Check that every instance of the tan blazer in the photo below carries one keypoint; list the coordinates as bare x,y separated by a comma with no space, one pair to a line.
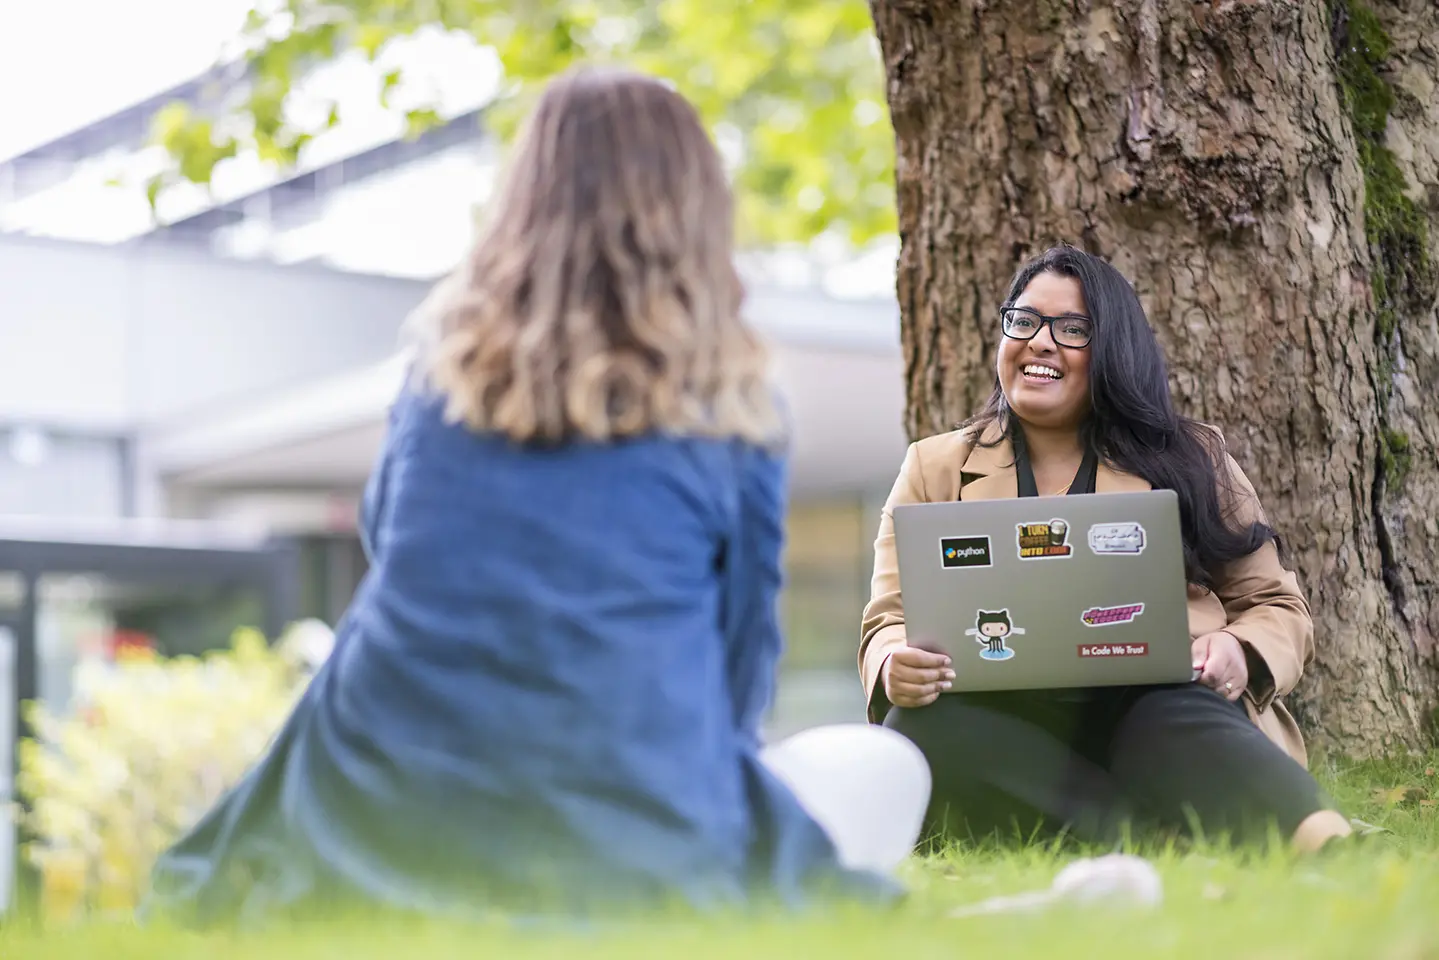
1255,598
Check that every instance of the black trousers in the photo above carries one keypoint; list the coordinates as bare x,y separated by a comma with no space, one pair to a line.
1094,763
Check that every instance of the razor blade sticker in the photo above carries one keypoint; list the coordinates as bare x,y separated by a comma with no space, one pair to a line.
1117,539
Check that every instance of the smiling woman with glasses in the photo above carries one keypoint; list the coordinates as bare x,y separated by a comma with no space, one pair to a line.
1081,405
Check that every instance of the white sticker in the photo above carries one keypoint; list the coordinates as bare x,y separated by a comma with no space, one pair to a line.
1117,539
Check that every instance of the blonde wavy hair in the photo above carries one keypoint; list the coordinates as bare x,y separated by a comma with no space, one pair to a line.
601,299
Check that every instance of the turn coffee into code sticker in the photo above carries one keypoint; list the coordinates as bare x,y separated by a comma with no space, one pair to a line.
1038,541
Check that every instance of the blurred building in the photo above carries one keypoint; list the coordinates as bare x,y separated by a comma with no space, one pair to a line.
232,369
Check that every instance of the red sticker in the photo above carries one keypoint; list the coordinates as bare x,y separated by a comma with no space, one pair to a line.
1114,649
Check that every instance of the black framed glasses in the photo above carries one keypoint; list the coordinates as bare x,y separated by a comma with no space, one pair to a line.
1068,330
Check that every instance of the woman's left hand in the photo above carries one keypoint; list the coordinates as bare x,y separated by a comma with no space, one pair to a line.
1221,660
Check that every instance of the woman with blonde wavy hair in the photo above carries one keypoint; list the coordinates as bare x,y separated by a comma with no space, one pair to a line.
546,696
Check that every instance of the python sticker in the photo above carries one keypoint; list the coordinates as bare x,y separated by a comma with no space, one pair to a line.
965,552
1039,541
1109,616
1117,539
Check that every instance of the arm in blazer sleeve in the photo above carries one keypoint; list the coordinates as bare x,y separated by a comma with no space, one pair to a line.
1266,610
882,629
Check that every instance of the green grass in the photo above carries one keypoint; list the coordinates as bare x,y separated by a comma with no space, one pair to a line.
1375,901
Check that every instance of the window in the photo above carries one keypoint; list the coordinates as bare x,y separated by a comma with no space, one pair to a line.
827,569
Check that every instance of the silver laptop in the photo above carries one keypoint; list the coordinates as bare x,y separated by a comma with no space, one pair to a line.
1048,592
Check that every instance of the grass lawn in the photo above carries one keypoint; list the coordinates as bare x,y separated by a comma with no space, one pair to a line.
1374,902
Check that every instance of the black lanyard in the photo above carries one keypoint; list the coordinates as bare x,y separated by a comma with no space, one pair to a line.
1084,480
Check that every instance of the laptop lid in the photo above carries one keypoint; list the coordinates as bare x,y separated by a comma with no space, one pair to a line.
1048,592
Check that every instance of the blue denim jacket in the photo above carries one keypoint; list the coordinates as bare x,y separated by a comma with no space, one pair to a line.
546,696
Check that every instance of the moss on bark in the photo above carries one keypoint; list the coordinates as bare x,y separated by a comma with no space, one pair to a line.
1396,228
1395,457
1403,275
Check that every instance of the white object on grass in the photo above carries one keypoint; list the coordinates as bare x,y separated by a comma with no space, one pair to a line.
1117,880
866,786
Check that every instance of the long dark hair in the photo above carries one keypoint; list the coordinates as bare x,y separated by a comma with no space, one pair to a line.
1132,424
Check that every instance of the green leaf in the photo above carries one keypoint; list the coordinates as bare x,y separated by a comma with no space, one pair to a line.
168,125
800,80
153,186
370,37
1393,796
418,121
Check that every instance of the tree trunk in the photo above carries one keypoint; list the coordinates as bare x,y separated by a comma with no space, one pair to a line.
1230,158
1408,511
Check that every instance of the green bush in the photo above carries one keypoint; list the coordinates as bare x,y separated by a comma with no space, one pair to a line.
147,746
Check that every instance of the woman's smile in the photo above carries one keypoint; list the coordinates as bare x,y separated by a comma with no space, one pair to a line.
1042,373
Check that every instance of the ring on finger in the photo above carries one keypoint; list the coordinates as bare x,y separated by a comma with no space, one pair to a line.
1229,687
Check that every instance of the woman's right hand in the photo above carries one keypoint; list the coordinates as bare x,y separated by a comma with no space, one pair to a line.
916,678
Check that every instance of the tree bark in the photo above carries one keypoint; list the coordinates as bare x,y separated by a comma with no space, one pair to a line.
1208,148
1409,513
